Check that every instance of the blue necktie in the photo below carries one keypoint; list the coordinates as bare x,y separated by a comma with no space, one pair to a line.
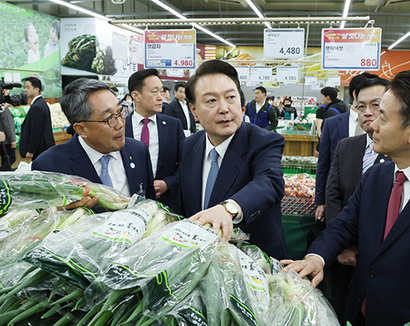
213,173
104,176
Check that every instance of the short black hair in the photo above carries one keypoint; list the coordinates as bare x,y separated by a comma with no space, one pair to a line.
330,91
35,82
400,87
369,81
211,67
136,80
354,83
243,99
178,85
270,98
262,89
55,24
165,89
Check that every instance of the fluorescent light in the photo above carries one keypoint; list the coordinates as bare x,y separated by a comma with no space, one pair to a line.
345,12
85,11
256,10
399,41
176,13
131,29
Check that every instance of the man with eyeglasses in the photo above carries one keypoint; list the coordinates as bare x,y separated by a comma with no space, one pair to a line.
162,134
99,150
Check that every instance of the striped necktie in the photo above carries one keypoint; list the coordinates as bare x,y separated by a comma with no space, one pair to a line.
369,157
358,130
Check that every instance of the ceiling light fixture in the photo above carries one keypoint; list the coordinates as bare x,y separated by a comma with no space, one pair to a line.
80,9
401,39
176,13
256,10
345,13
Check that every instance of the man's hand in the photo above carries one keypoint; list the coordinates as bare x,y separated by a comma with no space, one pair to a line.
320,213
160,187
6,92
348,257
13,144
310,265
218,217
2,136
29,157
84,202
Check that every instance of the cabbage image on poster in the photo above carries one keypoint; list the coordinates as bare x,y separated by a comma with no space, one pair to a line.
31,46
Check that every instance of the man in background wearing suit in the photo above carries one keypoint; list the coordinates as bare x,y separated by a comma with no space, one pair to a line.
99,150
231,170
162,134
179,108
334,129
36,130
377,218
354,156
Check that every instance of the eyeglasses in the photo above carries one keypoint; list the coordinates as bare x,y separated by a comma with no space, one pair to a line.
112,120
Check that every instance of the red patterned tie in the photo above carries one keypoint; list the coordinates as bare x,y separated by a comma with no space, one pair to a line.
145,132
394,202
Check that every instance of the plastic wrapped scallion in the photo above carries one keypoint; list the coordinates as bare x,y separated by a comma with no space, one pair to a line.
38,189
80,253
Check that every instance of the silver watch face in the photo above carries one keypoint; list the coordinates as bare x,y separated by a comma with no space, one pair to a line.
231,208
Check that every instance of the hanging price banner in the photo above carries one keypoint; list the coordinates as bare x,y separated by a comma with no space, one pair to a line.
243,73
261,74
283,43
170,49
351,48
287,75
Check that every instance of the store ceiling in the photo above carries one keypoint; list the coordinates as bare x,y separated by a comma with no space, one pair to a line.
391,15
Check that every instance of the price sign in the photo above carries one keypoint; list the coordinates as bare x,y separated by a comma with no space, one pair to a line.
333,81
287,75
261,74
243,73
170,49
283,43
351,48
311,80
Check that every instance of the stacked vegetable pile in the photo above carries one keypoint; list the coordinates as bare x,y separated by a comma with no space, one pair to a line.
299,195
140,266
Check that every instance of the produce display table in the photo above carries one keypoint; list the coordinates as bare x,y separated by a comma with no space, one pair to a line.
299,145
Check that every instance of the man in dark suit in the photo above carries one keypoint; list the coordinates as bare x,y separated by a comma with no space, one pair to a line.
36,130
377,219
230,172
334,129
99,122
353,158
165,133
179,108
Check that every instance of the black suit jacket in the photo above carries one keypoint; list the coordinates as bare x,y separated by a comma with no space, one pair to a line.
36,130
170,135
174,109
345,173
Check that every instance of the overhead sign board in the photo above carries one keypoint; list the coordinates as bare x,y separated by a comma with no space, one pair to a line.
170,48
351,48
283,43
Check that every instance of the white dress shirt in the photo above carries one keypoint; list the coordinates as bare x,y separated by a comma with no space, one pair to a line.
406,186
221,150
353,121
34,99
185,108
258,107
137,125
116,168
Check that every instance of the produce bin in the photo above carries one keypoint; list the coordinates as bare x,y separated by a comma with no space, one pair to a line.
299,164
296,228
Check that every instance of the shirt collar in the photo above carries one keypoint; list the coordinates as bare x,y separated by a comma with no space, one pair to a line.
353,115
406,172
368,140
94,155
139,117
221,148
34,99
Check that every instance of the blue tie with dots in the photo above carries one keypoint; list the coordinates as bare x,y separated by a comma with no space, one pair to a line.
104,176
213,173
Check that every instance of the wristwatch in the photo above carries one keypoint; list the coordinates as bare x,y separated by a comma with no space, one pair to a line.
230,208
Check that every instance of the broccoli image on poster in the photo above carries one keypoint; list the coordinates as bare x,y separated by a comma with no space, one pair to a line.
84,53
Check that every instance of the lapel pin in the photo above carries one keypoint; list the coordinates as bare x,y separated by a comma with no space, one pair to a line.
164,122
130,158
382,160
132,165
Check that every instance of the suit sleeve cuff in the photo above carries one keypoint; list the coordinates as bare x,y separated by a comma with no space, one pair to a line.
316,255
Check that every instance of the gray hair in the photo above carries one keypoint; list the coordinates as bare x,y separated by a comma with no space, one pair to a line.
74,101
